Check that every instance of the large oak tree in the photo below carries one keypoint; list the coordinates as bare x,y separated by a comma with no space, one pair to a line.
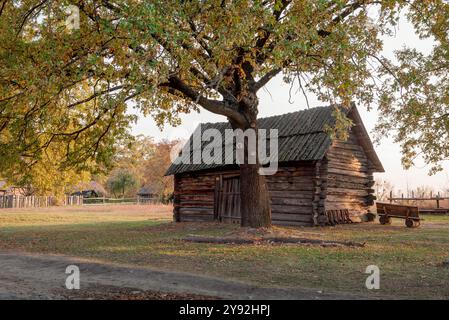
71,88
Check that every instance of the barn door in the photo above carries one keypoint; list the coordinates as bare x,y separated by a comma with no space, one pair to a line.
228,200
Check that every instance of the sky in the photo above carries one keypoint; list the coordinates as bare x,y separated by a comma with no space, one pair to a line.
274,100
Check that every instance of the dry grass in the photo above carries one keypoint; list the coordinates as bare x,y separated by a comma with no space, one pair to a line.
410,260
82,215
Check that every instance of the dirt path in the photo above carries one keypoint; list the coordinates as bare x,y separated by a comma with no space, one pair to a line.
37,276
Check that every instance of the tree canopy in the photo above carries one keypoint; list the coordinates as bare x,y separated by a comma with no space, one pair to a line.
147,161
121,182
71,88
155,167
414,97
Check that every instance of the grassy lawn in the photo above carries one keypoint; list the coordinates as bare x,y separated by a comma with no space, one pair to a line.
410,260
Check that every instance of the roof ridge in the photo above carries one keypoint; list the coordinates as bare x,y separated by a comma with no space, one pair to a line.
274,116
294,112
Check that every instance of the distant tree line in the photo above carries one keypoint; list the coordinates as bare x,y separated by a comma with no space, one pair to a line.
383,188
141,163
137,162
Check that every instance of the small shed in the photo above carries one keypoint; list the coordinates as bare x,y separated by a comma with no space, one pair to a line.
91,189
8,190
86,194
3,188
317,178
146,193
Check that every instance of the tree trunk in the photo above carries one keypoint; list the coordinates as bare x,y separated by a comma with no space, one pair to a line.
254,197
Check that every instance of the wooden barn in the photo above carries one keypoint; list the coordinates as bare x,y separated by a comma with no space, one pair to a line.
318,182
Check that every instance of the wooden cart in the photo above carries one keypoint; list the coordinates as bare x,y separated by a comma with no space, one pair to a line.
386,211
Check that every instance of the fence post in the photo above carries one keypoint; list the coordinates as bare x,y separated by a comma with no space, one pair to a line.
438,200
391,196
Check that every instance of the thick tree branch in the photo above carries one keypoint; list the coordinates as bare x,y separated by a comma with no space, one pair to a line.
214,106
266,78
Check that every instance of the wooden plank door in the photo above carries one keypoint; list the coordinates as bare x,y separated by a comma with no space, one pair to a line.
228,200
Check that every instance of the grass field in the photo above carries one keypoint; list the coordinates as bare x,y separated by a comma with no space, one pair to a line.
410,260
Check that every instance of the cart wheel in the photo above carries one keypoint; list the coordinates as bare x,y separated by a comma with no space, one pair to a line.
384,220
410,223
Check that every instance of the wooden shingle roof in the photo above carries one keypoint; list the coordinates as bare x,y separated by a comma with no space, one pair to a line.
302,137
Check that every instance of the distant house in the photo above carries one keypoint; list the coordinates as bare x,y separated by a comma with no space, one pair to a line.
3,188
319,180
146,193
91,189
86,194
8,190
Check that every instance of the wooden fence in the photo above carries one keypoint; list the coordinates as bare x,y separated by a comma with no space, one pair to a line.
437,198
111,201
19,201
73,201
430,204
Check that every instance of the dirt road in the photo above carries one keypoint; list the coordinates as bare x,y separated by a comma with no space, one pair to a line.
37,276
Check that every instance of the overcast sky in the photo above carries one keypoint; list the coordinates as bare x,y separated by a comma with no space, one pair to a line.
274,100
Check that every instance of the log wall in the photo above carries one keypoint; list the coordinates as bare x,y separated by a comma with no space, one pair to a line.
348,177
291,193
194,196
